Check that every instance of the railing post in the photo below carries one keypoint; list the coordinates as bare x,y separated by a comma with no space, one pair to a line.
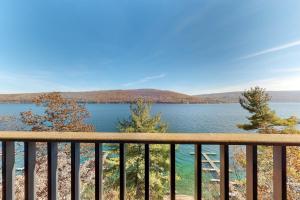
122,172
75,171
147,172
279,173
224,172
198,172
8,170
251,172
30,173
98,171
172,172
52,170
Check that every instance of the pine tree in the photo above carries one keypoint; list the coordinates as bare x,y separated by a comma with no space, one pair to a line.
263,119
140,121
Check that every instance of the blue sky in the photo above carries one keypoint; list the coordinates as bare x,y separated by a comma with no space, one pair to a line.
188,46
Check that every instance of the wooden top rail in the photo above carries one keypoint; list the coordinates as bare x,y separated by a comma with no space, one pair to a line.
153,138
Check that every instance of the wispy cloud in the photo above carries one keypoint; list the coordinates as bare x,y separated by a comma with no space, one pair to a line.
271,84
144,80
271,50
287,70
12,82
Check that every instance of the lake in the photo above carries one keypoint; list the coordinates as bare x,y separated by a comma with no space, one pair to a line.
189,118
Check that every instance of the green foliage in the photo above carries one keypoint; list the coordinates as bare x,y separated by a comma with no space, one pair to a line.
263,119
140,121
88,192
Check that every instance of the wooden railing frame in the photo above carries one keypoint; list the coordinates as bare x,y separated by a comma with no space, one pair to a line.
154,138
279,143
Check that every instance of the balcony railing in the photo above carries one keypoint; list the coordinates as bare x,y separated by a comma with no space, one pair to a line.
279,143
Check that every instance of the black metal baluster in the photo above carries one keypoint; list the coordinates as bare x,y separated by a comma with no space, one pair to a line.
52,171
8,170
198,171
172,172
122,172
251,172
279,173
224,172
75,171
30,167
147,172
98,171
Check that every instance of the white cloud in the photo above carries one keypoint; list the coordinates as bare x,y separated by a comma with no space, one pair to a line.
144,80
271,50
287,70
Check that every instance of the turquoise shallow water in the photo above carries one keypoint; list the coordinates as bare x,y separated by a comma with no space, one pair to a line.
190,118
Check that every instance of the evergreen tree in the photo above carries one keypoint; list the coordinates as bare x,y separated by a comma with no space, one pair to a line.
140,121
263,119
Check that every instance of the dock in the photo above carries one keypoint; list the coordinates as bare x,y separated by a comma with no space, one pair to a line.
212,164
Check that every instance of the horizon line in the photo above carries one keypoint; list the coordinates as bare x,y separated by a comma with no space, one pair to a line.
106,90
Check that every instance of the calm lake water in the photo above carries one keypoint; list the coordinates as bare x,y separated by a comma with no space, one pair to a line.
192,118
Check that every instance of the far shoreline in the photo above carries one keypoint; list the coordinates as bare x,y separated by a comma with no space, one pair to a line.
174,103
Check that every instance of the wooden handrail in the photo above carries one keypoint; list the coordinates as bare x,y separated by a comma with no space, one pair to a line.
251,140
154,138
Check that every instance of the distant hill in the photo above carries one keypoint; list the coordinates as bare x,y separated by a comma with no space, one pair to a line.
112,96
153,95
233,97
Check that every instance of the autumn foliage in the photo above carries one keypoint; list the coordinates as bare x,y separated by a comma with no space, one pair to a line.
61,115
